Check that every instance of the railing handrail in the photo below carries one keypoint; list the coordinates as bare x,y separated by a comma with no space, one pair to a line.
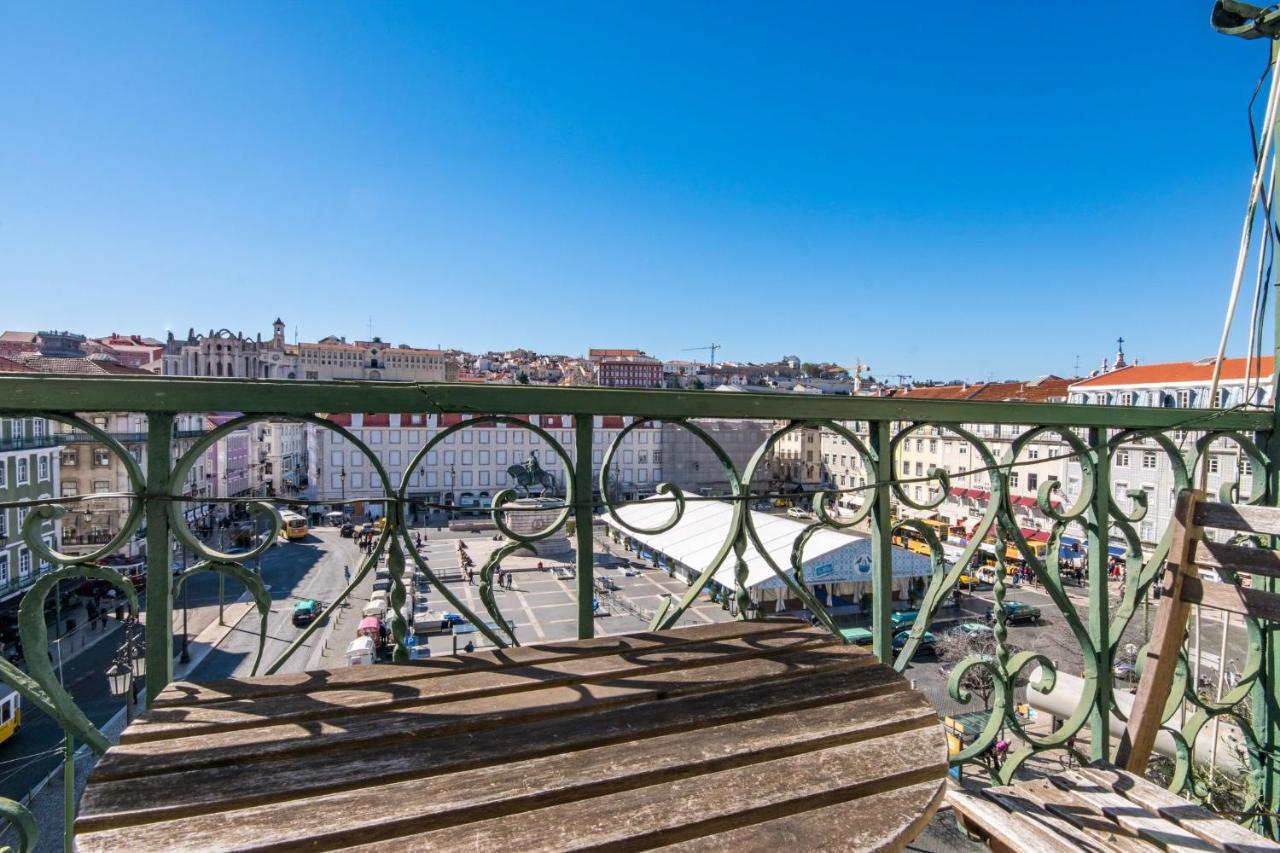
22,394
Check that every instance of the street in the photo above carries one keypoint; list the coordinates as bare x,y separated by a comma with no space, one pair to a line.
305,568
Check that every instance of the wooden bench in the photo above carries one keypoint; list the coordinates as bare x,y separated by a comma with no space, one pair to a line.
1104,807
740,735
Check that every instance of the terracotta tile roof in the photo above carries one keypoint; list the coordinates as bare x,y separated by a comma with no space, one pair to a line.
1178,371
80,366
1043,390
19,337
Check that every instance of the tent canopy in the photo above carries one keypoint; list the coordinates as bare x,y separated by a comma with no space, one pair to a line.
829,557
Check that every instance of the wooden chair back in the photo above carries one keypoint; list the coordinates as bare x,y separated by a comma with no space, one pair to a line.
1189,552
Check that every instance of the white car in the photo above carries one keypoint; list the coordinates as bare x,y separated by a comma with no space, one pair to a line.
796,512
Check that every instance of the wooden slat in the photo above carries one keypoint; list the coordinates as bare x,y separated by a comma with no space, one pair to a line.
367,812
273,710
1070,817
703,805
1161,656
1238,558
186,693
343,731
1234,599
879,822
1135,819
185,791
1249,519
1219,832
1014,828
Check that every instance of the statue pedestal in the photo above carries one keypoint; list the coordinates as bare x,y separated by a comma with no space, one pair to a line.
533,514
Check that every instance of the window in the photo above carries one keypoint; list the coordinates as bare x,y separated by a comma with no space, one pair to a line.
1213,464
1184,399
69,489
24,474
24,563
1149,459
70,458
1122,458
1033,453
4,569
1147,531
1121,489
1033,480
101,457
393,436
1126,398
1013,479
4,523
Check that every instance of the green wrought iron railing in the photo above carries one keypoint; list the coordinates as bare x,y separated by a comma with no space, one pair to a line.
877,430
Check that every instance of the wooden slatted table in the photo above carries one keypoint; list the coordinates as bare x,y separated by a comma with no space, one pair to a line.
1098,808
740,735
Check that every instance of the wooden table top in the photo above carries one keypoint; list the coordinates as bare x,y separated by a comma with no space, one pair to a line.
1098,809
739,735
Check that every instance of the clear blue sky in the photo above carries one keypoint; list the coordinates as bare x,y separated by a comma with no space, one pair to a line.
941,191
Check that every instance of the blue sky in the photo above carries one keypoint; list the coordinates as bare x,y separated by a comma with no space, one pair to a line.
943,193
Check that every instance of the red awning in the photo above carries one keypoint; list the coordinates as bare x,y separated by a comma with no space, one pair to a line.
1023,500
956,492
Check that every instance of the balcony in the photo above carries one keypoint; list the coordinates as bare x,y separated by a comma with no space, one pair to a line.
35,442
1099,614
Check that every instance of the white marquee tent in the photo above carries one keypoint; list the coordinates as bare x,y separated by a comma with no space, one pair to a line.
830,557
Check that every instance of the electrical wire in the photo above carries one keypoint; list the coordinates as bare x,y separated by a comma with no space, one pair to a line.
1263,152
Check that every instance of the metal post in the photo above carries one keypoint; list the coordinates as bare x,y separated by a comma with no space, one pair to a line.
881,543
159,630
583,425
68,793
1098,535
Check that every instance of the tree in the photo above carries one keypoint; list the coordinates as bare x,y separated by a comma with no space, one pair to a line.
698,384
522,378
956,645
808,368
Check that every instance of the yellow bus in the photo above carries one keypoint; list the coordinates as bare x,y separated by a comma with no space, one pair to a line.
10,715
295,526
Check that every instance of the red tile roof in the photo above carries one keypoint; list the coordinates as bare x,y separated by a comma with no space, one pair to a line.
1178,371
1042,390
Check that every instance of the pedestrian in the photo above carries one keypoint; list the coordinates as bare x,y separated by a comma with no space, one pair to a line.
470,578
346,573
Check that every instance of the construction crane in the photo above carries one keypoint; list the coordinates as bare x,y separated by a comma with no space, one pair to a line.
712,347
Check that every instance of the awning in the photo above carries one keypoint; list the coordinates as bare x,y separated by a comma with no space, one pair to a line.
1023,500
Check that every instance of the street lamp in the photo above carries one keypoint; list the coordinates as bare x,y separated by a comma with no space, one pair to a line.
128,667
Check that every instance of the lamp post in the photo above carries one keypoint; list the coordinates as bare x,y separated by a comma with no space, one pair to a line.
128,668
453,489
342,475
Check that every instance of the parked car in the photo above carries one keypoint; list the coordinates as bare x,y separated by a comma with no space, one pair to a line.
902,618
928,642
1015,612
306,611
973,629
1125,671
857,636
347,530
797,512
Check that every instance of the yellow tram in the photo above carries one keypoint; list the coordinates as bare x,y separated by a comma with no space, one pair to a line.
10,714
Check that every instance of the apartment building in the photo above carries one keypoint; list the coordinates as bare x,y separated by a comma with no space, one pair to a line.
333,358
929,448
470,467
626,368
689,463
28,471
1142,466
